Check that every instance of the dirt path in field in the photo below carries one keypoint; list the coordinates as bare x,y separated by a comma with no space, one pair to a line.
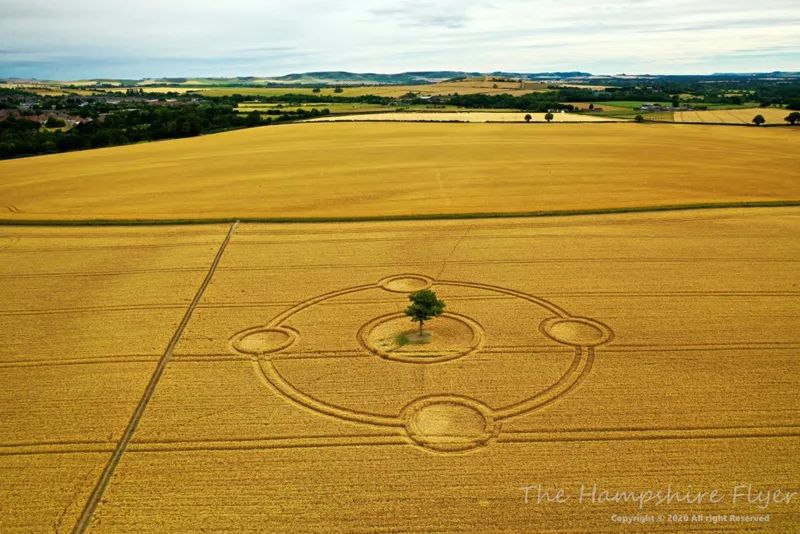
108,472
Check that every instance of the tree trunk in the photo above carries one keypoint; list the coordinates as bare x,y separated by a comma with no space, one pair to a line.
420,329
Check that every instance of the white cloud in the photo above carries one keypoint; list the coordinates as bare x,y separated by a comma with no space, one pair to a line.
141,38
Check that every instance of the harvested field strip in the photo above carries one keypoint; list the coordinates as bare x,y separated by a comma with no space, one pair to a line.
97,493
380,218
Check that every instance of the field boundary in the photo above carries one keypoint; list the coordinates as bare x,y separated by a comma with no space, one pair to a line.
105,477
378,439
693,123
600,120
412,217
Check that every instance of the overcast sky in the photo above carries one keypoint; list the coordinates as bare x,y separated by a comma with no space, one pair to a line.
72,39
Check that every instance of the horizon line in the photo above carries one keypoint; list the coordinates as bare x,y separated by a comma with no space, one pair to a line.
581,73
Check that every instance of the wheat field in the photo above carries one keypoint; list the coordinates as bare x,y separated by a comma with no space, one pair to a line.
390,169
86,315
463,116
628,351
253,376
733,116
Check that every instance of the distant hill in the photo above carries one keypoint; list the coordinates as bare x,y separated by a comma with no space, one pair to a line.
330,78
402,78
414,77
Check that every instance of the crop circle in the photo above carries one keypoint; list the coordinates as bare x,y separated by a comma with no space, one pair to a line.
448,423
405,283
264,340
394,337
576,331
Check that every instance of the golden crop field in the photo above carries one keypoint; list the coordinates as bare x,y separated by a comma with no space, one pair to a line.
631,352
347,170
86,314
464,116
733,116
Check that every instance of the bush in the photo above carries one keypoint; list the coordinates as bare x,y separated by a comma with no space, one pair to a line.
54,122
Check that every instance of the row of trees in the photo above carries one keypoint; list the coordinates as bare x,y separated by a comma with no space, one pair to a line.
547,116
792,118
23,137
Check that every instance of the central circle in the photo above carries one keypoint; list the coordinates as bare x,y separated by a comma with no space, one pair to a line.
395,337
448,423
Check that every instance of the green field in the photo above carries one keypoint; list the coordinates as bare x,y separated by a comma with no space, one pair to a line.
660,116
631,104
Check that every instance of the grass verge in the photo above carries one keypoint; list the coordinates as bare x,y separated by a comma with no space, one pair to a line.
413,217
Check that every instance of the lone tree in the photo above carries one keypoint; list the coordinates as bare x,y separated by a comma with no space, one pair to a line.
638,118
792,117
758,120
548,117
424,305
528,118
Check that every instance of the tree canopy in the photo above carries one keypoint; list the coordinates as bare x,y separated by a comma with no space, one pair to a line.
424,306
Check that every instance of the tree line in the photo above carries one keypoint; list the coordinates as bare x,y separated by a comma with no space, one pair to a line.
24,137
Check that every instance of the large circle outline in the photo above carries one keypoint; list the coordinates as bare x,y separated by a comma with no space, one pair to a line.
578,370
